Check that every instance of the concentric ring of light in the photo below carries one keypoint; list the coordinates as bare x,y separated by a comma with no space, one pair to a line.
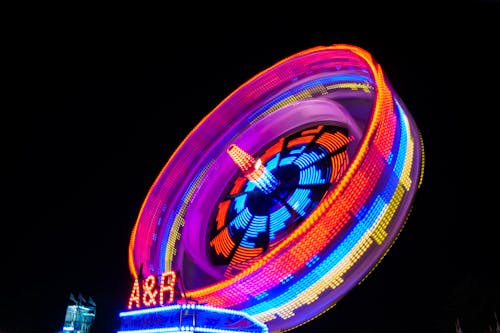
250,221
348,232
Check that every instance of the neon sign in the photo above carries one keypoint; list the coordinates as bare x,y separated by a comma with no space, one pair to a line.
149,293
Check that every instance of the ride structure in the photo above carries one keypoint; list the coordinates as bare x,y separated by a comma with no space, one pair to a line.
284,197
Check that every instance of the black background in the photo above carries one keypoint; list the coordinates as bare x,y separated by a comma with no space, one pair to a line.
97,103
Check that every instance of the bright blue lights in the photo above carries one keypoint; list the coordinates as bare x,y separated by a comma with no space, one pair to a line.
311,175
278,221
273,162
251,236
189,318
239,203
299,200
308,158
241,220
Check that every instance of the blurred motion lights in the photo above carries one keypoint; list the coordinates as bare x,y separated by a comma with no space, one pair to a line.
287,194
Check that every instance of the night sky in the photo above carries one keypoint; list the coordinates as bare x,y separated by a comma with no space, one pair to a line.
99,107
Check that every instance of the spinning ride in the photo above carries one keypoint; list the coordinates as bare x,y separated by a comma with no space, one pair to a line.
288,193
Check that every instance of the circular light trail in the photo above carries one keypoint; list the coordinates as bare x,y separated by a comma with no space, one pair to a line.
289,192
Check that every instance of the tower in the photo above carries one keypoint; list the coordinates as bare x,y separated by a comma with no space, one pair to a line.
80,315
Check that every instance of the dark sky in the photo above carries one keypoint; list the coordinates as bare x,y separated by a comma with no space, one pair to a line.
99,108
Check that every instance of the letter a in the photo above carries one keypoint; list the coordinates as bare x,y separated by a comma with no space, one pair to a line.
135,295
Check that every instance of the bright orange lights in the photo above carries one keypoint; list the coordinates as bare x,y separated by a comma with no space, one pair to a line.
253,169
150,291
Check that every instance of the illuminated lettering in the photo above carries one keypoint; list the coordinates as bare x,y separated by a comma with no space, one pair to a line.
135,295
167,285
145,294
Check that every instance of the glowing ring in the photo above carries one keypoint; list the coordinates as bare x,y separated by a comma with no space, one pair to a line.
252,220
343,237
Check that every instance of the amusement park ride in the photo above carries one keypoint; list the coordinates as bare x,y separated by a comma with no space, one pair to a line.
279,202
